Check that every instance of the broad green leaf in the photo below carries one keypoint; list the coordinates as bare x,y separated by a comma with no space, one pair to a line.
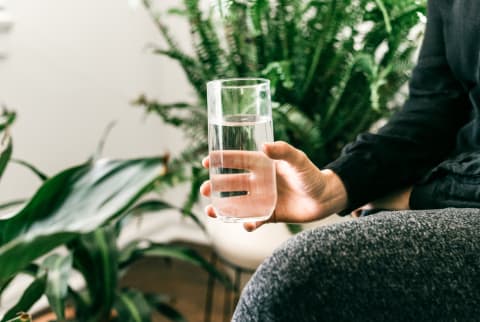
40,174
4,286
131,306
162,306
31,269
148,249
76,201
31,295
58,270
96,258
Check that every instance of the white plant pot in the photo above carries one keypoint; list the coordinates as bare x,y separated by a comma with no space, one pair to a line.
245,249
248,249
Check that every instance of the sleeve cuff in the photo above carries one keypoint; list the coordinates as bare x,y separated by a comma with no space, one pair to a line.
357,179
422,197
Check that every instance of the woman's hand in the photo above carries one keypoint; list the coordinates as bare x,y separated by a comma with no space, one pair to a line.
305,193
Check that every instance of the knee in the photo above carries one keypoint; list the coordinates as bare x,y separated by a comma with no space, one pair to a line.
292,284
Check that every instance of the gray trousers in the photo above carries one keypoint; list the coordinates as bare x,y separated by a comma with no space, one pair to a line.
391,266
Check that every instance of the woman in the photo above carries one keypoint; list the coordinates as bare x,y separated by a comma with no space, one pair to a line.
402,265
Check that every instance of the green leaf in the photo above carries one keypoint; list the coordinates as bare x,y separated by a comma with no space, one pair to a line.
131,306
6,118
96,258
31,270
5,154
103,140
177,12
150,205
128,254
156,205
386,16
146,248
76,201
31,295
162,306
40,174
81,302
58,269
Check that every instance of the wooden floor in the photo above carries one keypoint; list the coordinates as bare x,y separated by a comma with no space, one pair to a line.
186,284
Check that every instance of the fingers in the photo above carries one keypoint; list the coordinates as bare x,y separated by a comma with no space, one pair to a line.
251,226
283,151
210,211
231,182
206,162
236,159
206,188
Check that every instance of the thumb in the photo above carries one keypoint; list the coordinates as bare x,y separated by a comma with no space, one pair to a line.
281,150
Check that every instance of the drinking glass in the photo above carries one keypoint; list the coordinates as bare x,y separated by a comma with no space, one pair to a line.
239,123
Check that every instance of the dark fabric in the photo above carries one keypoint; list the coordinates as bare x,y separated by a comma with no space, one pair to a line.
394,266
440,120
454,183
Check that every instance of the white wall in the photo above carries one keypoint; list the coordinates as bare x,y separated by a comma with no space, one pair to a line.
74,66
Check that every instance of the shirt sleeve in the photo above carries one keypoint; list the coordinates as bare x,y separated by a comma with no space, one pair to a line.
416,138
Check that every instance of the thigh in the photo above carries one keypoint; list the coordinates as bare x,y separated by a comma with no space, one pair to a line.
395,266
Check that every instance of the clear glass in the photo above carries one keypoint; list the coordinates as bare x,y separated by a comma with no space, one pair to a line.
239,123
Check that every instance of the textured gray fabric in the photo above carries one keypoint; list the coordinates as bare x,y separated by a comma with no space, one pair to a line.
393,266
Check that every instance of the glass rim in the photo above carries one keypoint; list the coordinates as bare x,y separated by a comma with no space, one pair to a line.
260,82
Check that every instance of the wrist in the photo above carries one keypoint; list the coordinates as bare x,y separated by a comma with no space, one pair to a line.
334,198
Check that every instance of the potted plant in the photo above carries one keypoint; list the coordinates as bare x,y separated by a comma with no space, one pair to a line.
84,208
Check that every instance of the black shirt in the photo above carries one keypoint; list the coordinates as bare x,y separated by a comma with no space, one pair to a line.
433,143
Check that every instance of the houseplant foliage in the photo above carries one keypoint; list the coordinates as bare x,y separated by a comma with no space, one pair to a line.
7,118
84,208
335,66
